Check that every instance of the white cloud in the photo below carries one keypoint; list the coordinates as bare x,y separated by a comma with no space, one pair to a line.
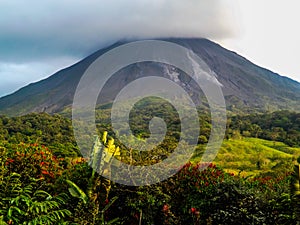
32,29
39,37
16,75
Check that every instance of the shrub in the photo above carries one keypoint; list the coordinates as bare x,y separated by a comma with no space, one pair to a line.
33,161
22,189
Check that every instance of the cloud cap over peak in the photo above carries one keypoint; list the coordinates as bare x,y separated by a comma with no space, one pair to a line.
35,29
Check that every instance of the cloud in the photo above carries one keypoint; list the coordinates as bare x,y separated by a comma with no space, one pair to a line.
40,37
16,75
36,29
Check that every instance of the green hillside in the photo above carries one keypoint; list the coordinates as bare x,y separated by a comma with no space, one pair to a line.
252,156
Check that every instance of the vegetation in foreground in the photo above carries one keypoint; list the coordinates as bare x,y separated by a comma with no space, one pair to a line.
39,188
45,181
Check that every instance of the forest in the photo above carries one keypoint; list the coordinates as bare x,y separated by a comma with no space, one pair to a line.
254,179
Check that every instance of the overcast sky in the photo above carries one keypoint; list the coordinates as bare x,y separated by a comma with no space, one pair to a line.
38,38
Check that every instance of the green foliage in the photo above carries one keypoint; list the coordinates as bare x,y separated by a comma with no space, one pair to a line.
282,126
76,192
205,194
26,175
295,191
26,204
34,178
97,189
53,131
97,217
244,154
33,161
197,194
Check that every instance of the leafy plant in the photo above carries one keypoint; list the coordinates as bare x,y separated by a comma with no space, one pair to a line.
98,187
34,161
24,204
295,192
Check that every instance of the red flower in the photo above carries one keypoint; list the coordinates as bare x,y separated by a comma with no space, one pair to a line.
193,210
106,201
45,172
10,160
165,208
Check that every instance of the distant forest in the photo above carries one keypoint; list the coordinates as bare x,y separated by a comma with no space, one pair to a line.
56,132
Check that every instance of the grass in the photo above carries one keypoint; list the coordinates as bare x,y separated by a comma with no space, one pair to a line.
252,156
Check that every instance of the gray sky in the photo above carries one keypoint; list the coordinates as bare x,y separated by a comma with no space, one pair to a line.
38,38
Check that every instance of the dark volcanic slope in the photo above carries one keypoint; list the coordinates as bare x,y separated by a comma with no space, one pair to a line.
245,85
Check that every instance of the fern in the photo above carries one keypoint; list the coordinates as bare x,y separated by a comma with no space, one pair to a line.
50,218
24,205
2,222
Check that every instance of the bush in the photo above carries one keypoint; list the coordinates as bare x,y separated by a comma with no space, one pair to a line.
33,186
26,174
205,194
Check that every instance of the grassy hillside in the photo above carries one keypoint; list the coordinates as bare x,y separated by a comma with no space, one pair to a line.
252,156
